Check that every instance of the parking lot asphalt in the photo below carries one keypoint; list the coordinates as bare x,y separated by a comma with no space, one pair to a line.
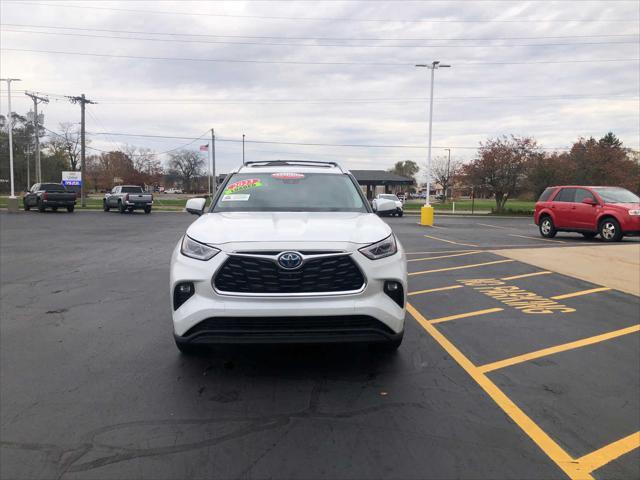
506,371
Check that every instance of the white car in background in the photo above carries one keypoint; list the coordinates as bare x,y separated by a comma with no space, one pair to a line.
289,251
387,197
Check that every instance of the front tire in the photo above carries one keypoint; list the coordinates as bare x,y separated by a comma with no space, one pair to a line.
105,207
400,214
547,228
121,207
71,208
26,207
610,230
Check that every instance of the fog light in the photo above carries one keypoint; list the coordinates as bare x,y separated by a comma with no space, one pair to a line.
182,293
395,292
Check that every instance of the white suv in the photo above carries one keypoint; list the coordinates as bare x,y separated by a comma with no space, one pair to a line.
289,251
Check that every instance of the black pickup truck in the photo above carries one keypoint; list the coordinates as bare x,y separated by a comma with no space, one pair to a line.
49,195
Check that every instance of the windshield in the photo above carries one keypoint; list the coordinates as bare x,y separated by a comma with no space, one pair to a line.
617,195
290,192
389,197
131,189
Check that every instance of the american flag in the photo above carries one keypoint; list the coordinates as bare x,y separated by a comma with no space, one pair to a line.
204,148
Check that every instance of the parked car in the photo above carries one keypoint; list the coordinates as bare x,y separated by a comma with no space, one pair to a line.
289,251
611,212
127,198
174,190
388,196
49,195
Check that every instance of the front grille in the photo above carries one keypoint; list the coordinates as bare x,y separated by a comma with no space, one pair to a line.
251,275
291,326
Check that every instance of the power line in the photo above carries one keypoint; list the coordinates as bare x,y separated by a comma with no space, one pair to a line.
545,37
302,62
308,144
323,45
336,19
193,140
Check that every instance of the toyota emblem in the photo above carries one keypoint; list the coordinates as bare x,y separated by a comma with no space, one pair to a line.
290,260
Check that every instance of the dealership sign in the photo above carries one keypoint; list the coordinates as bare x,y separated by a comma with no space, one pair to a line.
72,179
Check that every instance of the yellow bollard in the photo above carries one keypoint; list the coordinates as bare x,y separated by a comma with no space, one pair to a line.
426,216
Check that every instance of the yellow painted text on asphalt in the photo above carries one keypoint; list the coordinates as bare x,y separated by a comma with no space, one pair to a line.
516,297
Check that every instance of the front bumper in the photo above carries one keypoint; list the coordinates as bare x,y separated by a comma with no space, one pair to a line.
370,315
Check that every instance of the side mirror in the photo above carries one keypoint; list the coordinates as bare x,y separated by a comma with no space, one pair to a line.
385,205
195,206
589,201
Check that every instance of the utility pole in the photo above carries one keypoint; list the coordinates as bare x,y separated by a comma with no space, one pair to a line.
28,168
243,149
36,125
213,163
82,100
426,215
13,202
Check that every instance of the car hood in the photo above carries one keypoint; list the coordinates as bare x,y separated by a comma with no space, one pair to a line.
220,228
624,206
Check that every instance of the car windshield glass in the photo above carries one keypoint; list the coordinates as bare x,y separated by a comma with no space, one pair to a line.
131,189
290,192
53,187
617,195
389,197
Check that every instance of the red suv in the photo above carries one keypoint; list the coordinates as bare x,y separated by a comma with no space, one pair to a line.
611,212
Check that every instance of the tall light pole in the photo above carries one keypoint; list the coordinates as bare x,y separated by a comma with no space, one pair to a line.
448,167
434,65
12,200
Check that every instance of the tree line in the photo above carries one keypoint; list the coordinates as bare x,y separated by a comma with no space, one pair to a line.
125,164
509,166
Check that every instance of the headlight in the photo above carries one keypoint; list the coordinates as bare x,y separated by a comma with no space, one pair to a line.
635,213
383,248
197,250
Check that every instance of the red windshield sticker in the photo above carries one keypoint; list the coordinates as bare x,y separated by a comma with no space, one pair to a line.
243,185
288,176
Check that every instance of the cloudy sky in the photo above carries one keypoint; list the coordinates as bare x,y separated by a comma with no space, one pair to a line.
336,73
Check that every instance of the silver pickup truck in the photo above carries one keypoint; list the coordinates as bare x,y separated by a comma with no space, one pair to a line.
127,198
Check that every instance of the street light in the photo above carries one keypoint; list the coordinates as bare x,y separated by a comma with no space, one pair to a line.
433,66
13,204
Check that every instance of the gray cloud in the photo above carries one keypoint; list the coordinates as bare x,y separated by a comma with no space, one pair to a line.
458,121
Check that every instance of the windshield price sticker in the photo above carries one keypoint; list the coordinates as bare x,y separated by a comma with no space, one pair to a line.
288,176
243,185
238,197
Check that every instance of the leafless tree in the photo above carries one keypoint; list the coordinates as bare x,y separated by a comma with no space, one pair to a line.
444,172
186,164
66,144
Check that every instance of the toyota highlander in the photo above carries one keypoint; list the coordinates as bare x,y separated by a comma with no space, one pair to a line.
288,251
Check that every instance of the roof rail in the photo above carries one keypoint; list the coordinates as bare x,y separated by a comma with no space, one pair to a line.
310,163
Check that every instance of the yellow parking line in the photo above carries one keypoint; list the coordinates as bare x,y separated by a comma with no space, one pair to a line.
507,362
460,267
494,226
608,453
536,238
554,451
472,252
419,292
581,292
451,241
515,277
440,251
466,315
